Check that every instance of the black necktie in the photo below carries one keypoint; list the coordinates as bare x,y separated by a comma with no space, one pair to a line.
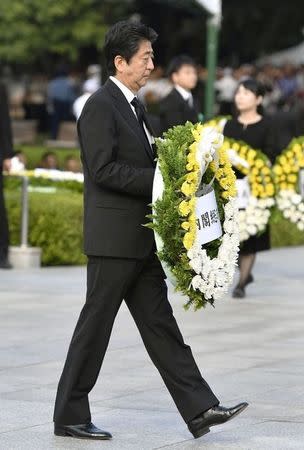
142,119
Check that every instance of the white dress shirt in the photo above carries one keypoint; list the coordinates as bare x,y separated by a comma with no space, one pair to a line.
129,96
187,95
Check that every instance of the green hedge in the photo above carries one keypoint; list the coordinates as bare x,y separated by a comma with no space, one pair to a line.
12,183
55,225
283,232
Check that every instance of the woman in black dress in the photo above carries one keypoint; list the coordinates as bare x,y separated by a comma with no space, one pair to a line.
255,130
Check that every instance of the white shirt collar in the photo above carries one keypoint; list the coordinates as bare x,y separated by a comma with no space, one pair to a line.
129,96
124,89
183,92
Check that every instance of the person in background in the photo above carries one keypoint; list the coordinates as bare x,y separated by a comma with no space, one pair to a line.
34,102
225,87
60,97
6,154
156,88
49,160
255,130
18,162
180,106
72,164
93,81
89,87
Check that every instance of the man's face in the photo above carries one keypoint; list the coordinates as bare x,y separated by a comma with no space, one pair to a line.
51,162
136,72
186,77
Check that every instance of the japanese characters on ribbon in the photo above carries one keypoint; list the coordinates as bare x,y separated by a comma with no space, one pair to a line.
208,221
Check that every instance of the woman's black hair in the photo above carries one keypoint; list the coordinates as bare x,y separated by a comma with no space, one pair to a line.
124,39
254,86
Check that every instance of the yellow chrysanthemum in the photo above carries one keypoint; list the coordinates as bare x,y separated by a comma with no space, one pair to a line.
269,190
266,171
283,160
292,178
191,158
192,177
188,188
289,154
259,163
184,208
251,154
277,170
188,240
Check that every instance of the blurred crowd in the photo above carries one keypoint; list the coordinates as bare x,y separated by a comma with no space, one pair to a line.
49,161
284,86
51,101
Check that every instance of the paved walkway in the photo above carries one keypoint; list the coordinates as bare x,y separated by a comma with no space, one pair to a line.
248,349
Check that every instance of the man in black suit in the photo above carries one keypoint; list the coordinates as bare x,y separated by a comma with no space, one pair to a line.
180,106
6,153
118,164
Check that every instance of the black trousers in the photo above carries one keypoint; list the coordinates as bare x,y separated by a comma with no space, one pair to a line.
4,233
141,284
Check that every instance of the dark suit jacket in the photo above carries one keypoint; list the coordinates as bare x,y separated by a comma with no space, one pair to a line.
118,177
174,110
6,142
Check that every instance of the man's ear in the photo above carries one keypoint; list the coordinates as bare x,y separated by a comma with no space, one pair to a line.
119,63
174,78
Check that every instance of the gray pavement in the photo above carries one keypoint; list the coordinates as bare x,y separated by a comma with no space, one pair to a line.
249,349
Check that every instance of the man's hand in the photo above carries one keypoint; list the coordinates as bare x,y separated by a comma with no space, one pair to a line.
7,164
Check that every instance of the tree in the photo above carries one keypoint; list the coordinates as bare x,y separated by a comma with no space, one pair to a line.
30,29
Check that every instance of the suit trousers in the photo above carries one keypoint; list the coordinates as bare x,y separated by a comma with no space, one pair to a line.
4,232
141,284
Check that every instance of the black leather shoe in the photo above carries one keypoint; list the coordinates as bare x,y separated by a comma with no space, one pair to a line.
214,416
84,431
4,264
238,292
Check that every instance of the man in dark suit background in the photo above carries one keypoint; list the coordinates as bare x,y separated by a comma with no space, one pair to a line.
6,153
119,162
180,106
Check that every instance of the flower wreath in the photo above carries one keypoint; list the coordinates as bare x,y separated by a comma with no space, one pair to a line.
257,169
289,176
190,157
218,122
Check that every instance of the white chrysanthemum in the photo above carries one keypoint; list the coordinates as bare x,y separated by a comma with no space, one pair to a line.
216,274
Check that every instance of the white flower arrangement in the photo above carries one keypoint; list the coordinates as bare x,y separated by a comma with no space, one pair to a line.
214,275
49,174
255,217
255,213
289,178
292,206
